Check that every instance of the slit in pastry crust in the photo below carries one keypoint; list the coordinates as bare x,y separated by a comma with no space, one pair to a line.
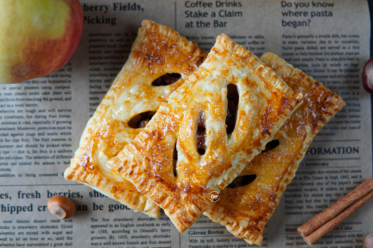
157,51
245,210
265,102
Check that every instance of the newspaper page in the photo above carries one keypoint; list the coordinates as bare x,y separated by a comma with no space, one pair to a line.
42,120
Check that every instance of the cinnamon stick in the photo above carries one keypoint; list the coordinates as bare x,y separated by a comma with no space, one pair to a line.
327,220
329,226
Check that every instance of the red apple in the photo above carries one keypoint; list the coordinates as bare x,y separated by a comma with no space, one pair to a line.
37,37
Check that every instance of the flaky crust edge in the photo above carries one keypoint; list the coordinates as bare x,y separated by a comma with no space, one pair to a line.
285,70
97,181
222,46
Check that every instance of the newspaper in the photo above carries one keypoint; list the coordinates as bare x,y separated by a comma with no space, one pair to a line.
41,121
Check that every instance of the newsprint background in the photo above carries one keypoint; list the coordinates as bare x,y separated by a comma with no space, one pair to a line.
41,121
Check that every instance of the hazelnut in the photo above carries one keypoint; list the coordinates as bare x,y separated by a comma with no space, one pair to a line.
368,241
368,76
61,207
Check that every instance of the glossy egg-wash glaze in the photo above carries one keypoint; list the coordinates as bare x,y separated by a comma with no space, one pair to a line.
246,210
157,50
265,102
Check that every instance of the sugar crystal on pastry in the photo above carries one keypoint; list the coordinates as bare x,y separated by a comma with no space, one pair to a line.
187,187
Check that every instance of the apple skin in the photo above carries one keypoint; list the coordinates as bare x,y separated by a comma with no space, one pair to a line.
37,37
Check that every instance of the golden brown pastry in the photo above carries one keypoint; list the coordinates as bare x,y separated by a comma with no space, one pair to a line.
245,210
135,95
164,162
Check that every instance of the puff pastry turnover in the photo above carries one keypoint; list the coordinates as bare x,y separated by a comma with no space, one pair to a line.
164,162
157,50
245,210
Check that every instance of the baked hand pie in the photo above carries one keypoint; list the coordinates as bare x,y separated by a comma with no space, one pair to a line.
245,210
183,173
159,57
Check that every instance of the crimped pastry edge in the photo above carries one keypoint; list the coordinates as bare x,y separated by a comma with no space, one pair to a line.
131,150
285,70
97,181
